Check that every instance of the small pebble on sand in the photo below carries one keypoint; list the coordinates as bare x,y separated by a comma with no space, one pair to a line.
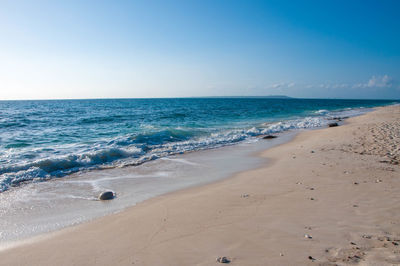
223,260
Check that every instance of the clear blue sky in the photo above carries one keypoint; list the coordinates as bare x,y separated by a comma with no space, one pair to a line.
103,49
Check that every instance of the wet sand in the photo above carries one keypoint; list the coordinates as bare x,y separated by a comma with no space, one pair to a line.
328,197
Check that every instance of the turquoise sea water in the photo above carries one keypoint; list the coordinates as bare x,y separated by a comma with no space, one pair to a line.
41,140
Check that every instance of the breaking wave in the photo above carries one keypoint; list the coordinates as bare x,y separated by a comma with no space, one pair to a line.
37,144
137,149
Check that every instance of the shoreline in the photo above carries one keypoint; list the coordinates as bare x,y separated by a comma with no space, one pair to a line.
250,218
131,184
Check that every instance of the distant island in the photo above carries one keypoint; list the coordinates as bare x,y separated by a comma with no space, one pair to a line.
269,96
276,97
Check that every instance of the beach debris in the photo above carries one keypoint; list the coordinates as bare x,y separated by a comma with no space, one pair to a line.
352,243
244,195
378,181
354,258
388,238
281,254
299,183
355,183
312,199
223,260
106,195
312,151
307,236
367,236
311,258
311,188
269,137
355,205
333,124
395,243
308,227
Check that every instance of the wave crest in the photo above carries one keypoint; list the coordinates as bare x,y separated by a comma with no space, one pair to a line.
143,147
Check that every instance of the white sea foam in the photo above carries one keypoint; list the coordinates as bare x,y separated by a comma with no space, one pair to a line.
322,112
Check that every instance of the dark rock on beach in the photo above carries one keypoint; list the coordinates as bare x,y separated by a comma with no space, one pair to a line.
106,195
332,124
269,137
223,260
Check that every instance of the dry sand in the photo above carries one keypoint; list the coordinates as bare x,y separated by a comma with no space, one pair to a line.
340,186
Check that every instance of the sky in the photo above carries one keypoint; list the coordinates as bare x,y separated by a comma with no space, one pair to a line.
134,49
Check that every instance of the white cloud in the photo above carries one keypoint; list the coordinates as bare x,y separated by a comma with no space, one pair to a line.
384,81
376,82
282,85
380,81
333,85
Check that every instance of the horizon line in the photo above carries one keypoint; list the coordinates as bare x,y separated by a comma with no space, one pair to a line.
193,97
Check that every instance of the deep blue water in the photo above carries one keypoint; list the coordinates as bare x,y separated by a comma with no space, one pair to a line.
40,140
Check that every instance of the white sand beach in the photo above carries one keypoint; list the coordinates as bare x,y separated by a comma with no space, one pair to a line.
329,197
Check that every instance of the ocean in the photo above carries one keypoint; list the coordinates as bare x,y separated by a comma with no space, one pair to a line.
42,140
56,156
